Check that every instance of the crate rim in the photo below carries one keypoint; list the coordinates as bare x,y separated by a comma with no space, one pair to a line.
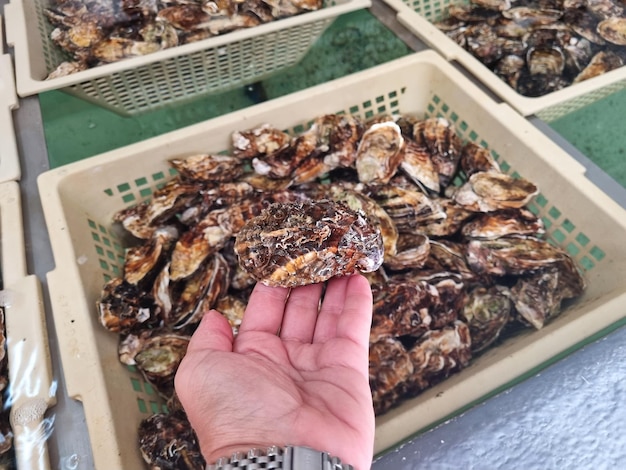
27,85
9,158
527,106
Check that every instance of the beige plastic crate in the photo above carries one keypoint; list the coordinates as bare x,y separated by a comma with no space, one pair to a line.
80,199
32,389
419,15
9,160
170,76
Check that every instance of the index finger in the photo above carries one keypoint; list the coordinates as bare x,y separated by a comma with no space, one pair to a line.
265,309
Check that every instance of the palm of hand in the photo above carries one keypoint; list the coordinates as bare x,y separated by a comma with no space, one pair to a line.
308,386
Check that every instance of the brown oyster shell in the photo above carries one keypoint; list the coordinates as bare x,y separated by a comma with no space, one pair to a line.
407,208
486,312
134,219
302,243
389,367
489,191
512,255
258,142
207,167
417,163
167,441
439,136
613,30
475,158
158,359
141,260
502,223
438,354
123,306
379,153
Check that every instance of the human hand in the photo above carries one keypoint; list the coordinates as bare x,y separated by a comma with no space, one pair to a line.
307,385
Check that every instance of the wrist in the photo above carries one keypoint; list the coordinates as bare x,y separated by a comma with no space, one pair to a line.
286,458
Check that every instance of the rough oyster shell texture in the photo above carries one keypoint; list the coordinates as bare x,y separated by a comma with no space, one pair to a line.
453,266
541,47
302,243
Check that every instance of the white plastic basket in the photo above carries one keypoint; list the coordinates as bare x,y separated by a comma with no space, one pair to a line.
80,199
30,372
419,15
172,75
9,160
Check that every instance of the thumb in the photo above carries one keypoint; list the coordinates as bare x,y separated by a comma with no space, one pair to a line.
214,332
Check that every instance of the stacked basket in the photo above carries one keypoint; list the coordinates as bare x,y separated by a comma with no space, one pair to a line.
9,162
419,17
170,76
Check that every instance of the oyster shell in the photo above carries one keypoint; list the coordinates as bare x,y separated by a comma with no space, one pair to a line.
258,142
158,359
512,255
476,159
408,209
403,307
486,312
207,167
488,191
123,306
302,243
419,166
439,136
168,442
141,260
438,354
502,223
613,30
379,153
601,63
389,367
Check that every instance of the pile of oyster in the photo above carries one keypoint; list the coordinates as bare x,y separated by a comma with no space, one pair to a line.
7,455
540,46
95,32
463,259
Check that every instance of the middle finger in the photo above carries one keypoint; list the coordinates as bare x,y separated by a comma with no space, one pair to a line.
301,313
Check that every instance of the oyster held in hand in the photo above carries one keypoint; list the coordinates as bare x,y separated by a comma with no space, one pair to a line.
308,242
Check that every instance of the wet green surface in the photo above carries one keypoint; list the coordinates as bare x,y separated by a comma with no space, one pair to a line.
75,129
599,131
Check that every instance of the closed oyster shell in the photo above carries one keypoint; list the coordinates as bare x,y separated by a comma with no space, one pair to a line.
303,243
502,223
437,355
489,191
379,153
167,441
613,30
389,367
158,359
123,306
208,167
486,312
512,255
